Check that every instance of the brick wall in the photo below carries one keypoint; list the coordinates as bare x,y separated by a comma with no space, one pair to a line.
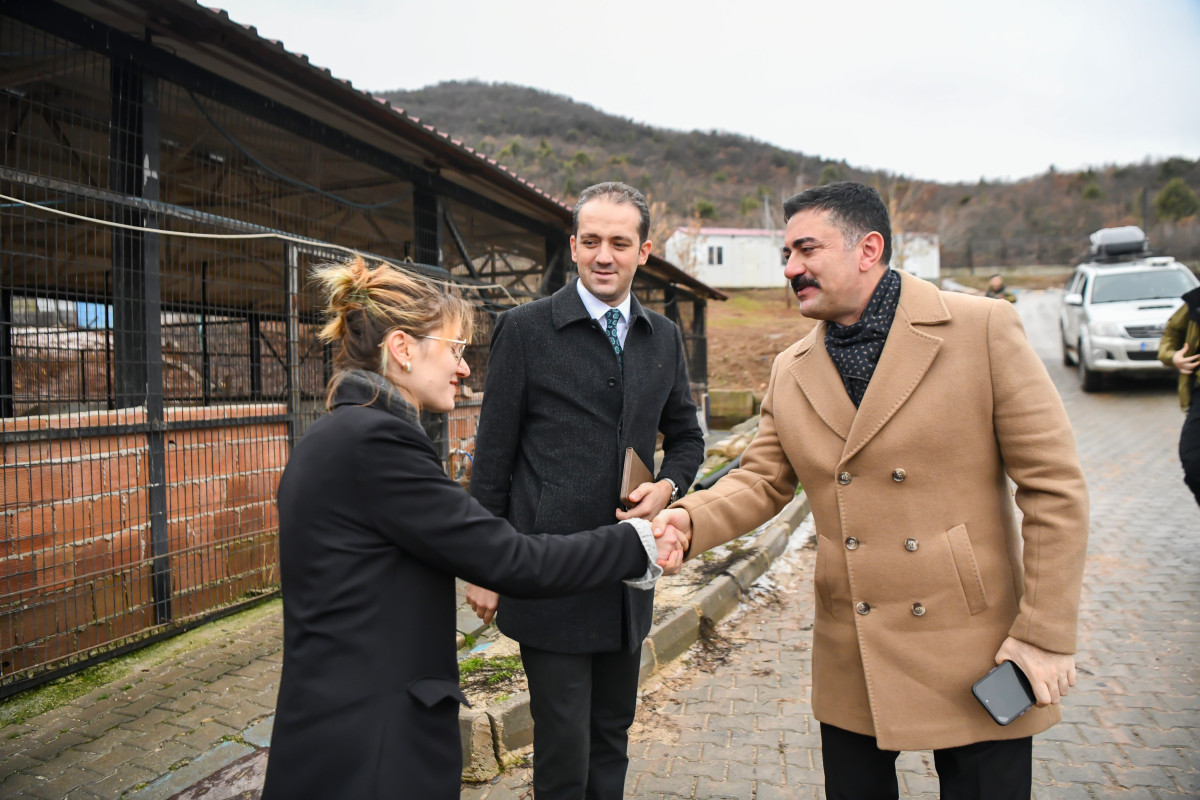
75,556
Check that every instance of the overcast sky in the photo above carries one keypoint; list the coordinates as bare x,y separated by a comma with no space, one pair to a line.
944,90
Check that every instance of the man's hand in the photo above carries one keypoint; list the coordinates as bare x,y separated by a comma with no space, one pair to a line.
670,554
650,498
1050,674
675,522
483,602
1185,363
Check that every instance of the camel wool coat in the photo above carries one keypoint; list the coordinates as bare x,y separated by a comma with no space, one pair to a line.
922,567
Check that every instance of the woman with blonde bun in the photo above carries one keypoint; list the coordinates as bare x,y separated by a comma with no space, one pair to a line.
371,535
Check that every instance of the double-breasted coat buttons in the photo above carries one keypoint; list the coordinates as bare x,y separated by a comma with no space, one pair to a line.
863,607
851,543
910,544
898,475
843,478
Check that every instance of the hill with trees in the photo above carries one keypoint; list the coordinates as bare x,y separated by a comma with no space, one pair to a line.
725,179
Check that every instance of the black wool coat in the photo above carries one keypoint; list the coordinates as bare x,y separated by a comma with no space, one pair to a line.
371,536
558,412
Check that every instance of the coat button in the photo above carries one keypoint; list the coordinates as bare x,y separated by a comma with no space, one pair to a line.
851,543
863,608
899,475
611,382
843,478
910,545
918,610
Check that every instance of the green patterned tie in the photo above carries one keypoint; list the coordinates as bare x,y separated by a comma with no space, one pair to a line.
611,317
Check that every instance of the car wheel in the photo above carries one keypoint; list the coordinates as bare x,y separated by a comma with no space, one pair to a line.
1089,379
1068,361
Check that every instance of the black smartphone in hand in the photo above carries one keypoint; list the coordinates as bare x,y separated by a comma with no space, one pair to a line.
1005,692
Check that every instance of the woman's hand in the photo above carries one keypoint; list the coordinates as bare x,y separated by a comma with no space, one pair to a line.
670,553
483,602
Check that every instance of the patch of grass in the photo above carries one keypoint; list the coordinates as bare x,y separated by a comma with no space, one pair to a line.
488,671
469,641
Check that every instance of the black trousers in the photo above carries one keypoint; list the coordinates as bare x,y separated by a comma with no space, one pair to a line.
856,769
1189,444
582,706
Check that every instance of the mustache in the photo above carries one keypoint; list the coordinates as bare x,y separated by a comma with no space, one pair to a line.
803,282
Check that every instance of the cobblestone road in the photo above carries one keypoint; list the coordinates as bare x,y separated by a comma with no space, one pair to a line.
742,729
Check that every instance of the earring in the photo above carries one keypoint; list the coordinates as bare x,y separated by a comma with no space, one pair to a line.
407,366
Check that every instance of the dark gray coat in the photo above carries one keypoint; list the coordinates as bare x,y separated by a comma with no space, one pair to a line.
557,416
371,535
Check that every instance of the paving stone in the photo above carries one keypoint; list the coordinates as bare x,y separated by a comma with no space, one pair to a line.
1145,776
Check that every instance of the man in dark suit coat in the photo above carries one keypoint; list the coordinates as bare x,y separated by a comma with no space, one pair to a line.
574,379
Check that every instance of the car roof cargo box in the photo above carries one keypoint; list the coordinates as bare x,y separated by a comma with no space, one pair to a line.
1124,241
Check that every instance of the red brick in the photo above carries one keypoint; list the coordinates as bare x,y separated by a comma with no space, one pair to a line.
107,512
15,482
18,576
93,559
253,519
135,507
121,472
104,445
84,476
194,497
129,548
25,657
250,488
33,524
129,622
56,568
73,521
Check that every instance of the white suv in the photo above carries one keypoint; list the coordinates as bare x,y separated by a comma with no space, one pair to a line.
1115,309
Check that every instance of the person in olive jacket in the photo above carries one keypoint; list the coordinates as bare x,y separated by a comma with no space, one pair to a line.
371,535
1180,348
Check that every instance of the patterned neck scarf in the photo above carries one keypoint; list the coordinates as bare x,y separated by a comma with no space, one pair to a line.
855,349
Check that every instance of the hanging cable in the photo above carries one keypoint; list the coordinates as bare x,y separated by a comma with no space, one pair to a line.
444,282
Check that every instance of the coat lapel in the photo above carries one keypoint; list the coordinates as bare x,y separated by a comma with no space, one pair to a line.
906,357
822,385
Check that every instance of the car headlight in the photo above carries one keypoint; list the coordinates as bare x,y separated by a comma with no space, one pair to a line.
1105,329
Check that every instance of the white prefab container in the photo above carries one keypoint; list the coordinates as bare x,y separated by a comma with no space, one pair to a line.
751,258
729,258
917,253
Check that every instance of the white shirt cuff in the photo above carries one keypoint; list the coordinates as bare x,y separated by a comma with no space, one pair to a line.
653,571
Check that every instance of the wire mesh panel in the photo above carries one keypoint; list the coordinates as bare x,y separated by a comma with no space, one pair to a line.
150,385
158,326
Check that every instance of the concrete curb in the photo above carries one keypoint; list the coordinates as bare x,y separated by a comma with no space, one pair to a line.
511,721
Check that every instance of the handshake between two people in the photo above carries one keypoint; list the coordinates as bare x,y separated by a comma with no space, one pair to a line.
672,535
672,528
650,501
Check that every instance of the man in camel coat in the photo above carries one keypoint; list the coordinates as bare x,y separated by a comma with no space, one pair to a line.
904,414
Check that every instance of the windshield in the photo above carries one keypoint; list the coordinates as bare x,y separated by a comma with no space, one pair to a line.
1128,286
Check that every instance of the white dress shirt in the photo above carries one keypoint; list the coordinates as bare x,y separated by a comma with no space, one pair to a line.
597,308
